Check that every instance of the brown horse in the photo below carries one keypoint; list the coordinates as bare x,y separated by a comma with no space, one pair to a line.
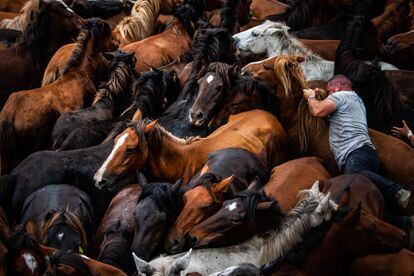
27,14
164,48
22,66
11,5
260,9
326,49
285,75
399,50
401,263
30,115
114,235
356,235
394,20
169,158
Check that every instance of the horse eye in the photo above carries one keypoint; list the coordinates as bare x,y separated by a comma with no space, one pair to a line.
255,33
129,151
236,105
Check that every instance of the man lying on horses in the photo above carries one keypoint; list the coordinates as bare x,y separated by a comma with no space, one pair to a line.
348,136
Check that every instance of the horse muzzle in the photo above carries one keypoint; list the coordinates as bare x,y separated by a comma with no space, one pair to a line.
197,118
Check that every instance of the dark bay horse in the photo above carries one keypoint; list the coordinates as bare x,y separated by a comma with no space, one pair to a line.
22,66
168,158
211,186
158,206
63,215
111,99
30,115
115,232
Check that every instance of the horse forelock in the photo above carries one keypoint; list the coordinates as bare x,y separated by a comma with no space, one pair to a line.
220,68
67,258
62,218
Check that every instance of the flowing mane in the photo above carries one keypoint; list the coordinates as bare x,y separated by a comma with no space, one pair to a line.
298,14
90,30
64,217
141,23
313,207
290,76
67,258
29,13
119,80
36,35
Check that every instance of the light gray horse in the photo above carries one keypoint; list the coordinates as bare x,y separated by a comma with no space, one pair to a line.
313,208
273,39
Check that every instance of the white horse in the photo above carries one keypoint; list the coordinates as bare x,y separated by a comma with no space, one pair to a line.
273,39
313,208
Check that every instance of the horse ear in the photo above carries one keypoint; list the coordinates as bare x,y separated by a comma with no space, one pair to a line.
108,55
137,115
177,185
150,126
265,205
344,200
255,184
30,227
181,264
143,268
142,180
222,186
354,216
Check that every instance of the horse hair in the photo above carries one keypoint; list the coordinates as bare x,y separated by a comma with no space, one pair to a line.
62,218
67,258
390,22
36,35
21,239
164,197
92,29
228,14
251,198
188,14
28,13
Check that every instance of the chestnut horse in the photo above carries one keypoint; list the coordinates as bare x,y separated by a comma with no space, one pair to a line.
169,158
30,115
22,66
399,50
173,42
116,230
260,9
329,249
285,74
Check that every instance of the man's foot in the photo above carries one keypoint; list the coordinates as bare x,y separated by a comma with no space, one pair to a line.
403,197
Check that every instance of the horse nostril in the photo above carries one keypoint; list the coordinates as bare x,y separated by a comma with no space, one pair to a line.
200,115
193,240
175,242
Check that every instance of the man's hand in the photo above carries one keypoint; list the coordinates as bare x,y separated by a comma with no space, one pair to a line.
307,93
401,132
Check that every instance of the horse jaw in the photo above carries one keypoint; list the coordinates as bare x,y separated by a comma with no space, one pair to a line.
143,268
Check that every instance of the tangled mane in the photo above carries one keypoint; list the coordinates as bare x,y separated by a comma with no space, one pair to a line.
228,14
20,239
141,23
394,19
251,198
29,13
188,14
382,107
64,218
66,258
118,83
312,208
90,30
290,76
36,35
162,194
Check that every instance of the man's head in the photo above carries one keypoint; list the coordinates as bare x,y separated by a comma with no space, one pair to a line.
339,83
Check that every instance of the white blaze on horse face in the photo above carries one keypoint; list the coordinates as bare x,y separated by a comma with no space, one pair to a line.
232,206
30,261
102,169
210,78
60,236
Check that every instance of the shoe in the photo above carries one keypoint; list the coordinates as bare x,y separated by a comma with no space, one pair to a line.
403,197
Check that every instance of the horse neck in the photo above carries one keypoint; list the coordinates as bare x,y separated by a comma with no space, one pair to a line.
288,106
170,163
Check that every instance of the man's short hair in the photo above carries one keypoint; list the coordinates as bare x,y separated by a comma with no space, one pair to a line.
340,80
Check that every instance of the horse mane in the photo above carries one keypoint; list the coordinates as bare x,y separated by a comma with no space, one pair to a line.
90,30
163,196
389,22
295,224
67,258
228,14
251,198
366,77
188,13
21,239
28,13
119,80
64,217
298,14
36,35
142,21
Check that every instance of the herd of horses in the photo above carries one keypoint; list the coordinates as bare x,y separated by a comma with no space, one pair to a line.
171,137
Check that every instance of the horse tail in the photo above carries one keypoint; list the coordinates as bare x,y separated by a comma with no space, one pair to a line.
8,147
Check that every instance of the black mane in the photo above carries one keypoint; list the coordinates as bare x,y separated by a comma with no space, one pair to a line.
20,239
228,14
